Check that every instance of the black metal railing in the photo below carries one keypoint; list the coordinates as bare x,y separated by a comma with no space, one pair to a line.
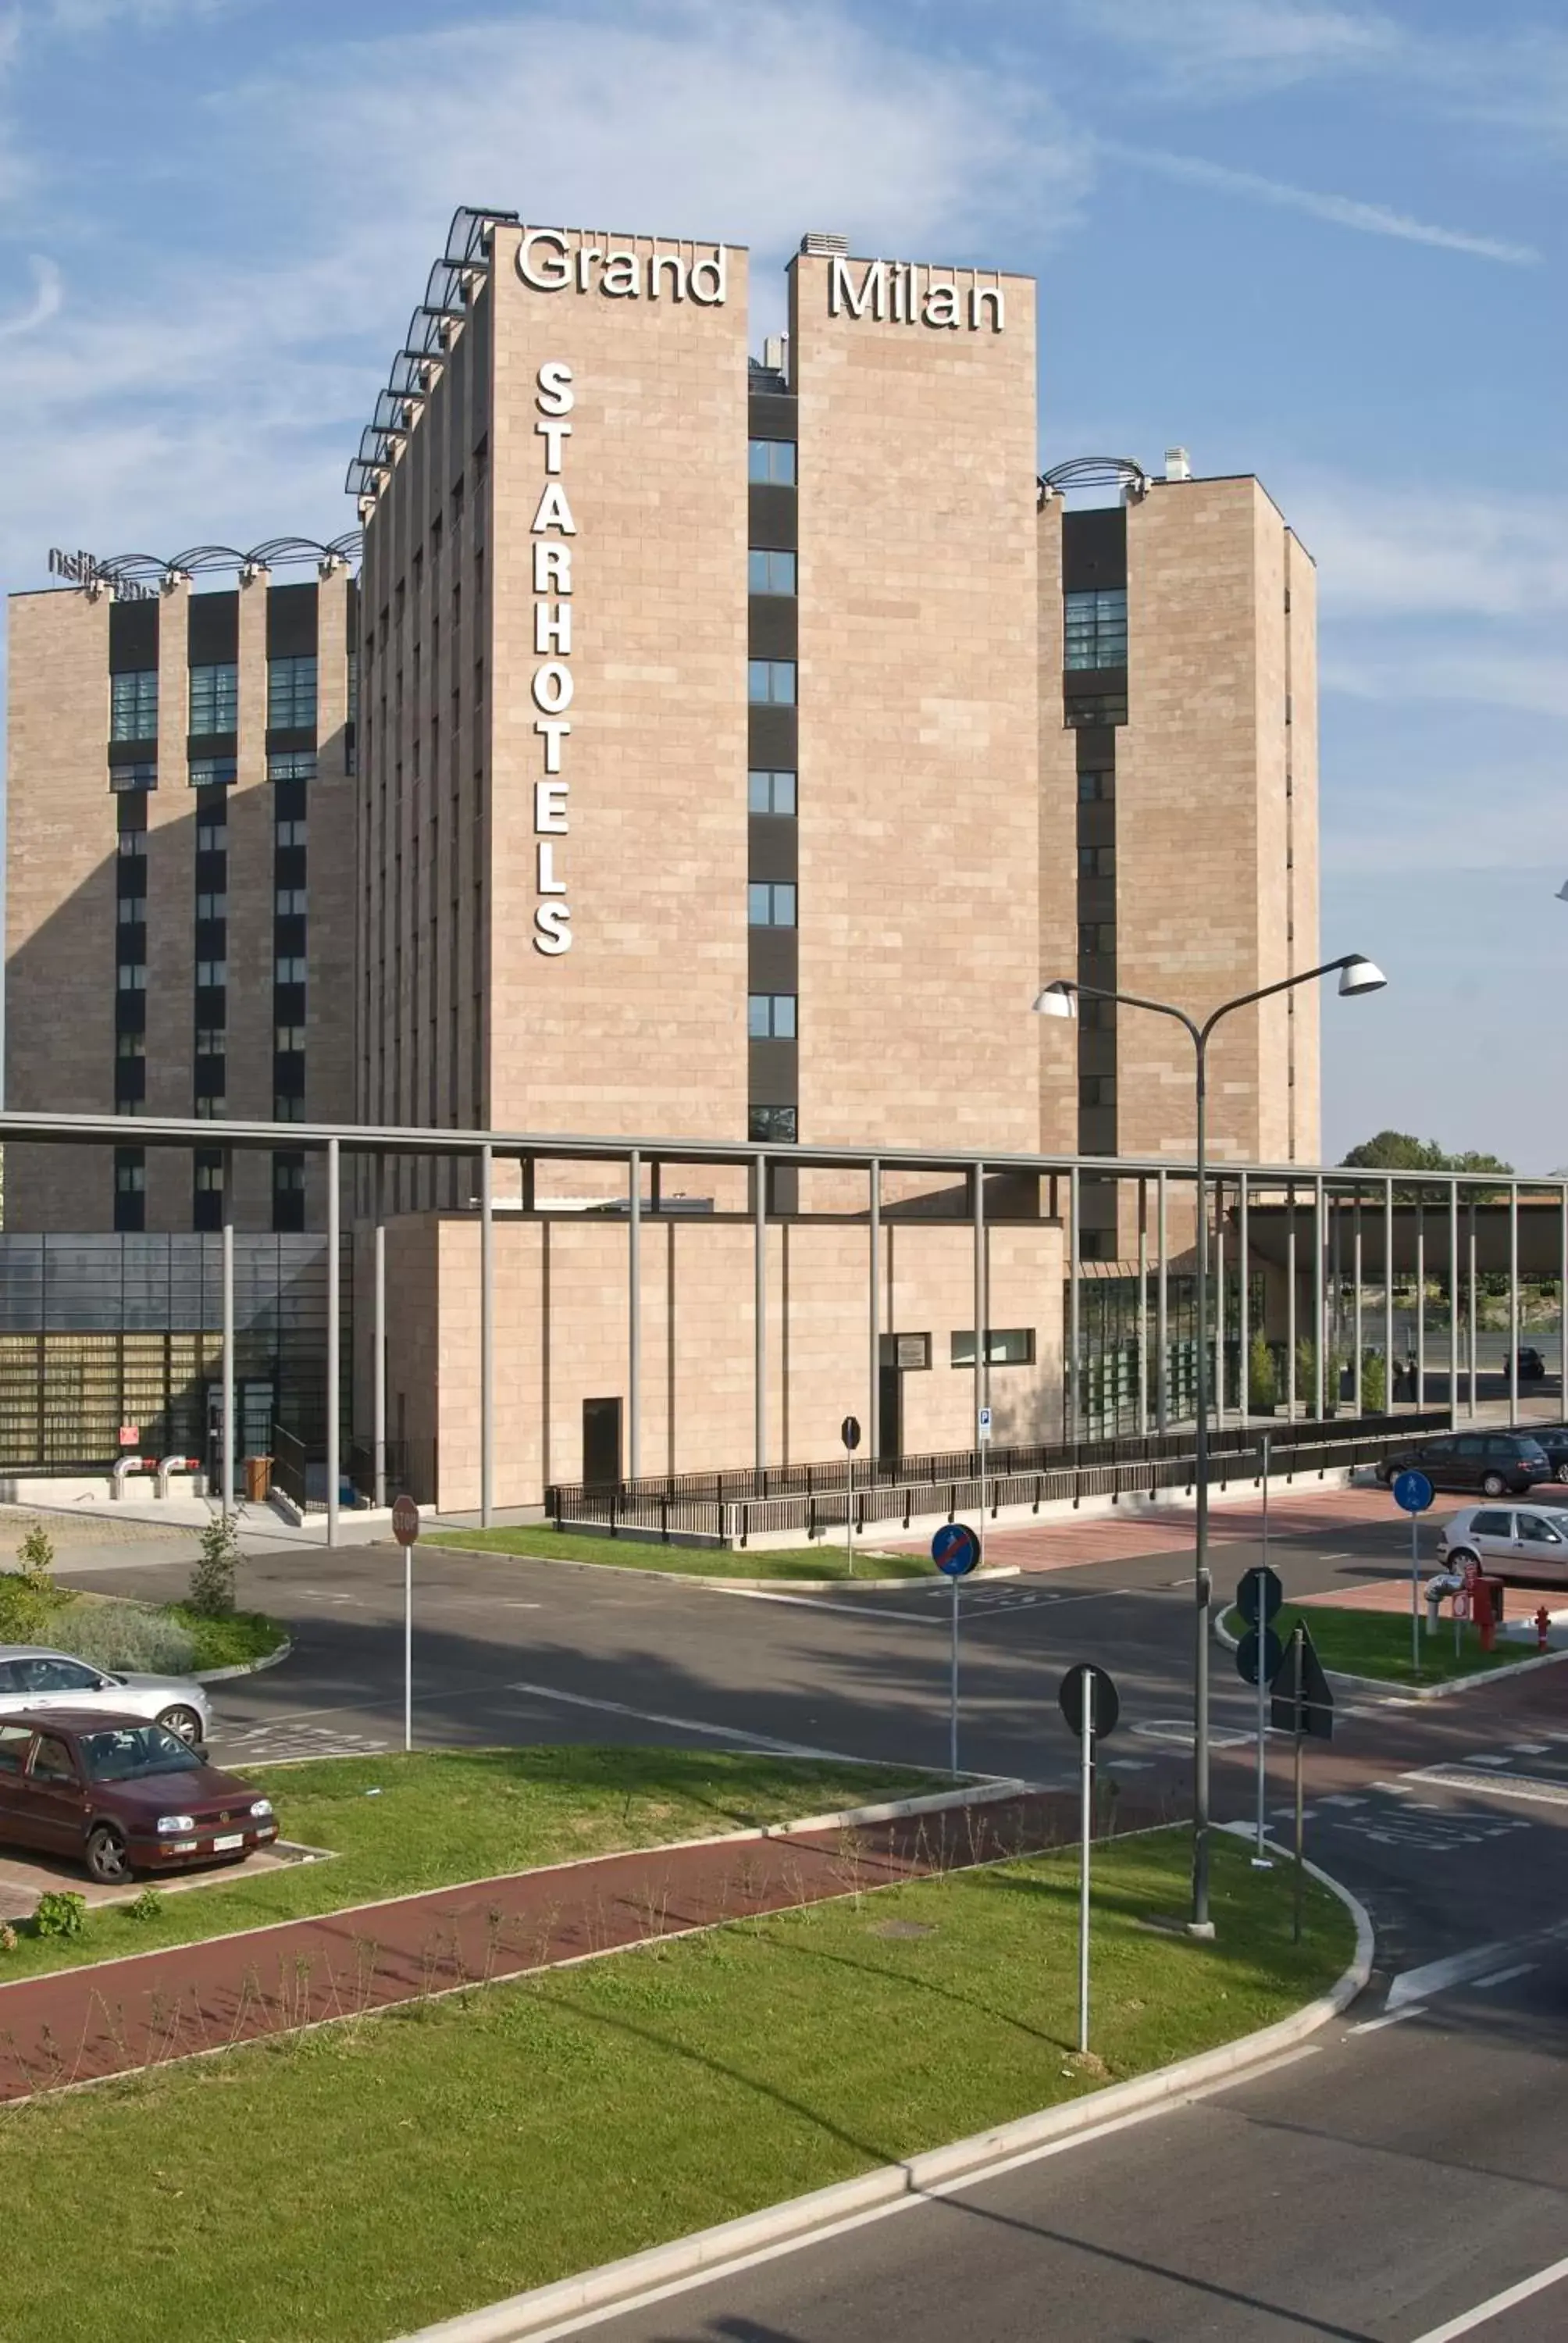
744,1484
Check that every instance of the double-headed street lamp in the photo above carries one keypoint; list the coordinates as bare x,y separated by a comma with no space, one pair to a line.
1357,975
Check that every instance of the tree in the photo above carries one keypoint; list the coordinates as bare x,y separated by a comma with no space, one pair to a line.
1399,1150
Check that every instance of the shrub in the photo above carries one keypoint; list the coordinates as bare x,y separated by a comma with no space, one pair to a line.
1374,1383
1262,1383
25,1613
118,1634
36,1559
211,1593
147,1906
61,1913
9,1939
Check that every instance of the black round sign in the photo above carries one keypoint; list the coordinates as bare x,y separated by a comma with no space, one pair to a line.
1259,1589
850,1432
1088,1694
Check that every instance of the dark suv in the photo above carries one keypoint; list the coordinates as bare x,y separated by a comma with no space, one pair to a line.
1497,1463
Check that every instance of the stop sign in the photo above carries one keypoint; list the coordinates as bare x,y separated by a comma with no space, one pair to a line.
405,1521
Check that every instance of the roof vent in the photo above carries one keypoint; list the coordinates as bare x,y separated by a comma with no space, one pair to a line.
823,241
1178,463
773,353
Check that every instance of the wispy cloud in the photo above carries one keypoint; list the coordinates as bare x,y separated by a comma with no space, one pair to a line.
1418,550
1216,49
48,295
1338,211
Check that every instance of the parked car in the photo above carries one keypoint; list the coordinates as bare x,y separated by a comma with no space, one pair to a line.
1497,1463
1508,1540
32,1678
1554,1438
1531,1365
121,1795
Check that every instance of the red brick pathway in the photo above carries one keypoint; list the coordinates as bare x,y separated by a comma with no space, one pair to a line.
1123,1537
80,2025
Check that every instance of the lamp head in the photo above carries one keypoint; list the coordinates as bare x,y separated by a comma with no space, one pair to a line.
1058,1000
1562,894
1359,975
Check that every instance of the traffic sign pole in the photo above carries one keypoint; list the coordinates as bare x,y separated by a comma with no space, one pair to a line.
849,1433
1262,1697
1415,1595
955,1551
953,1687
1085,1818
405,1530
1298,1641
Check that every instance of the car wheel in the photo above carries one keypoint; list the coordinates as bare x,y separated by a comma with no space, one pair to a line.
108,1856
184,1722
1562,1470
1492,1484
1459,1557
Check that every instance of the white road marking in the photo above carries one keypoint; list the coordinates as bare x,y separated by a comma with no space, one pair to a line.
1339,1798
1504,1976
1530,1748
1475,1760
911,2202
1527,1786
1495,2305
678,1724
1461,1968
1390,2017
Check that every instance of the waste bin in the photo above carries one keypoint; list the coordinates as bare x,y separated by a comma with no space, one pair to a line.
257,1479
1488,1592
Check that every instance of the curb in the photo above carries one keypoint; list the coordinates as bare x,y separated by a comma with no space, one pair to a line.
1390,1688
936,2170
723,1585
247,1667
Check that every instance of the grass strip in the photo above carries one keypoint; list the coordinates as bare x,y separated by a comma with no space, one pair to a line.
400,1823
824,1561
366,2180
232,1642
1377,1643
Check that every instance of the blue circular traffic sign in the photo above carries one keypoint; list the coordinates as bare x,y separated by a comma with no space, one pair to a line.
1413,1492
955,1549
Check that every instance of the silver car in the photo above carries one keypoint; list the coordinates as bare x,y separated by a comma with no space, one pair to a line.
32,1678
1509,1540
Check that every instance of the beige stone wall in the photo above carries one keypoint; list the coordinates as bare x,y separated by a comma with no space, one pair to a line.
1058,853
1303,1135
562,1336
59,901
1203,886
918,811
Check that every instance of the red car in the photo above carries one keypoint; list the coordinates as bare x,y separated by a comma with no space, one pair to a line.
121,1795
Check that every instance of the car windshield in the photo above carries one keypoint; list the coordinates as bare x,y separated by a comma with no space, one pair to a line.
132,1749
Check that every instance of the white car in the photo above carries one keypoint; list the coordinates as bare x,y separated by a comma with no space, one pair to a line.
1516,1539
32,1678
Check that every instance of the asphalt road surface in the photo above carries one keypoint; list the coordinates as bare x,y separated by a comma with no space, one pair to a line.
1378,2186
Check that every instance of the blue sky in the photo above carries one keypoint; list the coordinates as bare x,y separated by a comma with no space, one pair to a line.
1319,241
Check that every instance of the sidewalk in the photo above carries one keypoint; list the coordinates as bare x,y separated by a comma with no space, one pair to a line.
80,2025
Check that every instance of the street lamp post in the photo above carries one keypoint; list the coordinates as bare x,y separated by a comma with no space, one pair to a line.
1357,975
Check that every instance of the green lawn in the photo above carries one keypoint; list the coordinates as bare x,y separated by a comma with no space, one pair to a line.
243,1636
441,1816
1377,1643
361,2182
824,1561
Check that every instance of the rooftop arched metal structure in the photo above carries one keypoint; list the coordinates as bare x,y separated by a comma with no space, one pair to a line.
464,258
1120,472
208,561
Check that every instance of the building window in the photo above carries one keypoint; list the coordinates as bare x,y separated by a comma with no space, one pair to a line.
212,1109
295,765
771,904
1097,789
1097,1090
1096,633
288,1039
130,1045
773,1125
212,833
771,682
130,1189
289,1106
768,572
133,777
1097,862
131,976
210,1040
290,903
770,463
288,967
212,772
133,910
1005,1346
134,705
770,1016
289,832
1086,708
214,699
770,793
211,973
1095,936
291,693
287,1194
212,906
133,842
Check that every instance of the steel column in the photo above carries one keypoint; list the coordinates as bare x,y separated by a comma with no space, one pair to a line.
1244,1307
334,1336
874,1314
1220,1300
1563,1298
1514,1301
759,1313
1470,1312
1161,1308
634,1319
1291,1301
1388,1290
1421,1297
487,1337
378,1336
1071,1398
981,1297
1319,1328
1143,1306
225,1474
1356,1304
1453,1292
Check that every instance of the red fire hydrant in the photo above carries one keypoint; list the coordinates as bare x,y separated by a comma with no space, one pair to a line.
1542,1628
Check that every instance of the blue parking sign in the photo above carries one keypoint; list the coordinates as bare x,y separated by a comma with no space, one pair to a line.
1412,1491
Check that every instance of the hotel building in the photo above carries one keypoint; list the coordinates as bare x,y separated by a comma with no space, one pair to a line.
737,745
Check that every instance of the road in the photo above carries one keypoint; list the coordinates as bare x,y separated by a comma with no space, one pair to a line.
1377,2186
